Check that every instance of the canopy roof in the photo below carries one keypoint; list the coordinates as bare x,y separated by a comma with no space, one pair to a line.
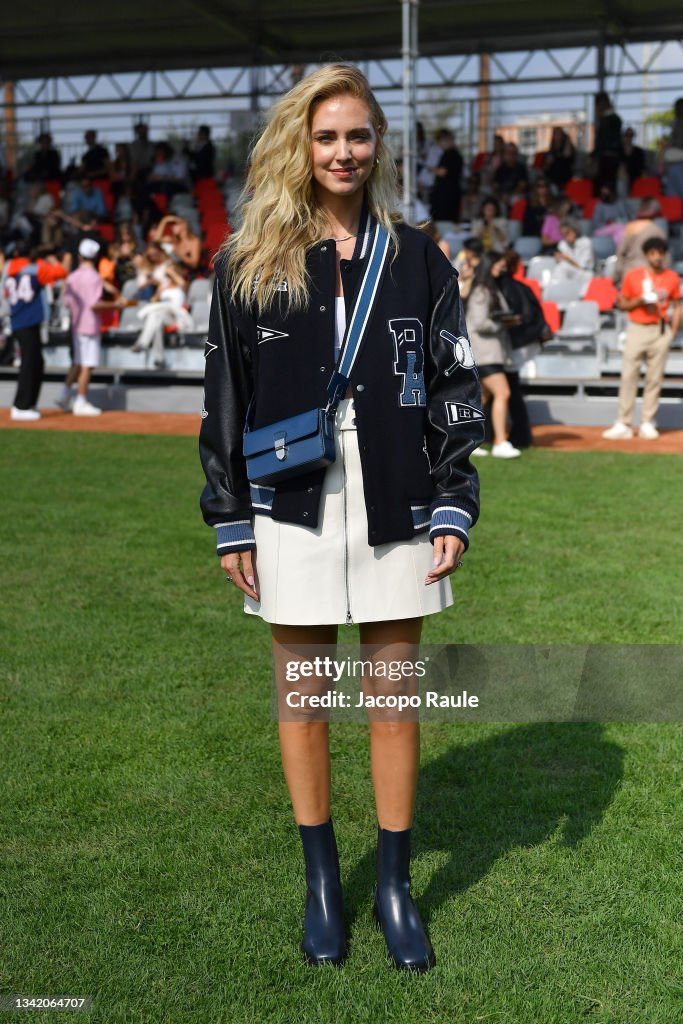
42,39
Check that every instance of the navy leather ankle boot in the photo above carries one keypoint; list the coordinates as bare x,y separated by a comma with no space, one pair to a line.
398,917
324,938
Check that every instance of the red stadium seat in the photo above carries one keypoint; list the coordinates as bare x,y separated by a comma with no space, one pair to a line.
54,188
535,286
539,160
602,291
106,232
672,207
589,207
551,315
646,186
479,161
518,208
161,201
579,190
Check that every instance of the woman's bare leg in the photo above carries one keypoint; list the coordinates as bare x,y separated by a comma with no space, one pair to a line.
394,746
304,745
497,385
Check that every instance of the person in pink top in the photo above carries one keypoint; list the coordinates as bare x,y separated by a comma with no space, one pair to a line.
82,294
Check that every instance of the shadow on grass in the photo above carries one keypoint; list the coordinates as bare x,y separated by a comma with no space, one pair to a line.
515,789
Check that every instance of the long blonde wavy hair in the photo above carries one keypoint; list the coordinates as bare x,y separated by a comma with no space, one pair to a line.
281,218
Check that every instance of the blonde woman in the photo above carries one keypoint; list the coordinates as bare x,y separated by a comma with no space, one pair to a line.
372,538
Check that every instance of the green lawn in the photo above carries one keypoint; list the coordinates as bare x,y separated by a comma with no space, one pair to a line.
149,856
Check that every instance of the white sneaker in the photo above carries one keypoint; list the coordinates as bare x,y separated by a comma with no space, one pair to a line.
505,450
479,451
24,414
619,432
648,431
65,402
82,407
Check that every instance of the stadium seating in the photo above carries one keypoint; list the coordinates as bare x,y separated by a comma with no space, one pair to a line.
527,246
551,315
602,291
517,209
603,246
563,292
535,286
647,185
581,320
579,190
540,268
672,208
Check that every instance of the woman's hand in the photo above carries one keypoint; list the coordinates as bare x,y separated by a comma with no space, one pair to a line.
242,577
447,553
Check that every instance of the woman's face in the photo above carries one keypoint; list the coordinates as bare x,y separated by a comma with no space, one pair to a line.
488,211
498,268
343,146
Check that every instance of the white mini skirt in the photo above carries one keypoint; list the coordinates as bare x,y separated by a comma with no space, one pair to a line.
330,574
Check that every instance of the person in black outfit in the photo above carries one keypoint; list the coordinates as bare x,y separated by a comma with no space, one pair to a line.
607,150
632,157
47,163
202,159
537,209
447,189
511,178
559,160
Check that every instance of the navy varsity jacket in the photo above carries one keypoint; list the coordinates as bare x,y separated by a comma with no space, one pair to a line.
415,387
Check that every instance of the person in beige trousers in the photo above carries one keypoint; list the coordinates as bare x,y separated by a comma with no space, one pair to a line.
647,295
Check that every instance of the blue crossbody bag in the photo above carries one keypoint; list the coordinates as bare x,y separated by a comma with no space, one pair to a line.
302,443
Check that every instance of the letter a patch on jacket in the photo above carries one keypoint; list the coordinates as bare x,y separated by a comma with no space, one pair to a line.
409,360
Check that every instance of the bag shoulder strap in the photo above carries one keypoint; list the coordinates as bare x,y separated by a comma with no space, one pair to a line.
360,317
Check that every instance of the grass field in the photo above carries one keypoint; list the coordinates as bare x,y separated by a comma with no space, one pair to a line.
149,856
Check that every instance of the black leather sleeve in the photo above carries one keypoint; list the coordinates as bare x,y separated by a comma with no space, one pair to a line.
455,422
228,388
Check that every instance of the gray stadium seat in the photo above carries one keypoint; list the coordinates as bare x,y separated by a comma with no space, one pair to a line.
527,246
200,289
609,267
540,268
582,320
514,229
603,246
129,323
130,288
200,315
563,292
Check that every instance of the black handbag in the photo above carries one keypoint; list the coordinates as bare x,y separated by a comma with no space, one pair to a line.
302,443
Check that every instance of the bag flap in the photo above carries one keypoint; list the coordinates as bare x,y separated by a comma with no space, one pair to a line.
295,428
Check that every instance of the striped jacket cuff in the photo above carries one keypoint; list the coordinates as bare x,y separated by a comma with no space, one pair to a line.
236,536
450,519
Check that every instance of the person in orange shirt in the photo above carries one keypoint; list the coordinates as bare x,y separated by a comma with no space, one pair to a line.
647,295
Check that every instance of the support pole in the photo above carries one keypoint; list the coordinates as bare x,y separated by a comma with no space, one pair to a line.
409,54
10,123
484,101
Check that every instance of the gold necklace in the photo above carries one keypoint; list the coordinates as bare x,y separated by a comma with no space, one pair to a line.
345,238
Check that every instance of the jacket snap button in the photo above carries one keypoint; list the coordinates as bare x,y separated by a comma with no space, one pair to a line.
360,387
305,515
323,308
323,248
310,490
322,369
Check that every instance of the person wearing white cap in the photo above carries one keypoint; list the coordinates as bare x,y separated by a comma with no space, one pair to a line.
82,294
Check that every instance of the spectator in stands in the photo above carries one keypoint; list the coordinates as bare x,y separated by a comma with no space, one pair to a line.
574,257
632,158
141,152
31,214
490,227
87,198
82,225
492,162
203,157
608,210
551,233
120,171
5,211
488,319
511,178
537,209
607,152
447,191
472,252
430,228
558,164
151,267
124,265
95,160
25,276
166,308
177,238
428,156
82,294
168,173
673,153
630,251
47,163
647,295
470,203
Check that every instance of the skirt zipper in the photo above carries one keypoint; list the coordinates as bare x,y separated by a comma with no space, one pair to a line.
349,619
